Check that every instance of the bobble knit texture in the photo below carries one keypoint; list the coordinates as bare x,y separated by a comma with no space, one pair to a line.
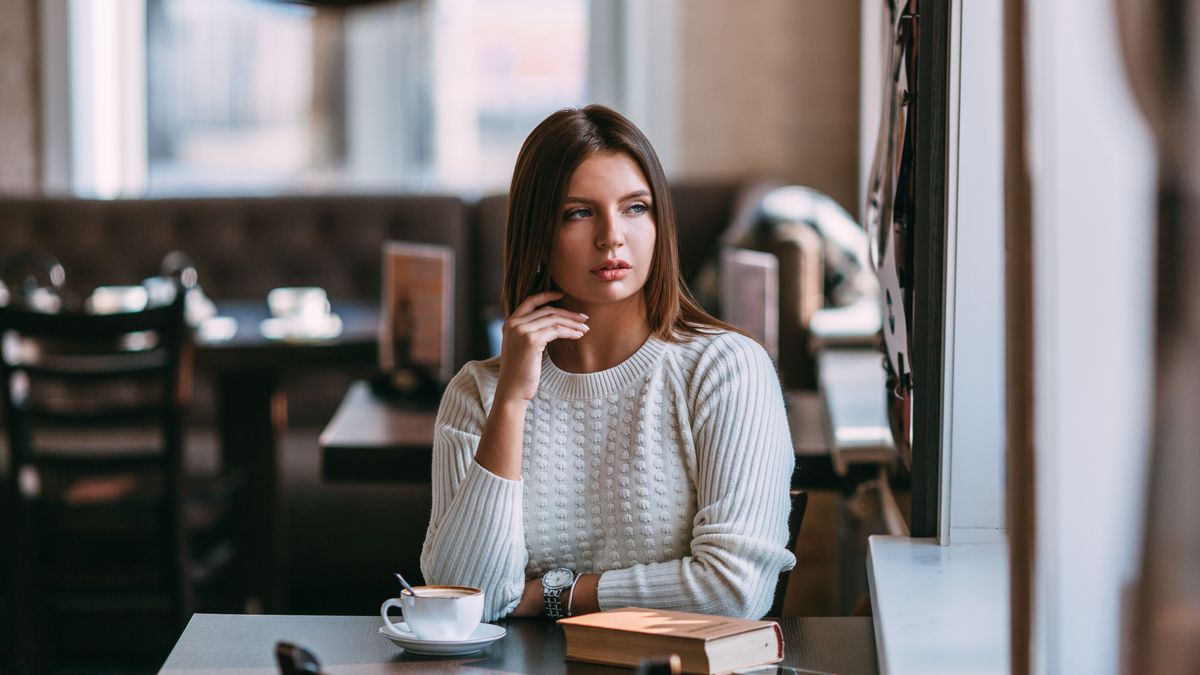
668,473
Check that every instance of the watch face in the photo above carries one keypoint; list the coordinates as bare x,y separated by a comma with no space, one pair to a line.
558,578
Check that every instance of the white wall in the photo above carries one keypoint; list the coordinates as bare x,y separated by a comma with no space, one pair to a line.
1092,173
972,497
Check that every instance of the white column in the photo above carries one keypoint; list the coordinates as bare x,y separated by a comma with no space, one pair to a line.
107,100
1092,172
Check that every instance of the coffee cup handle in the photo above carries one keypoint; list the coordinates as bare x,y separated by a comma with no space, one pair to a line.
388,604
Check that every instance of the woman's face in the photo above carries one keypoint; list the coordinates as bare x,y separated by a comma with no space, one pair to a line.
604,241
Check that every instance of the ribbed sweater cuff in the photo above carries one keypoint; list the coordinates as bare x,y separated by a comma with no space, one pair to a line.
630,586
487,501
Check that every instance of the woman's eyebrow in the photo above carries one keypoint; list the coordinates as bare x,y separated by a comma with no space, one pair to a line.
585,200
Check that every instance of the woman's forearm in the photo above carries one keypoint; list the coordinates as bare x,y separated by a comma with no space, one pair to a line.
500,444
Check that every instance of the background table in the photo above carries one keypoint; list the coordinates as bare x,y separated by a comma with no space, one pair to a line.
252,417
228,644
371,438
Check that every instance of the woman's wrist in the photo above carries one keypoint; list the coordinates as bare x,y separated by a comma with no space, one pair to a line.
584,595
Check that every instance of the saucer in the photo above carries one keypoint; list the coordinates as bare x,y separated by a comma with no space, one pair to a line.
483,635
293,330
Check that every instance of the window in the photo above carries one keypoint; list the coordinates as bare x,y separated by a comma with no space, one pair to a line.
230,94
248,95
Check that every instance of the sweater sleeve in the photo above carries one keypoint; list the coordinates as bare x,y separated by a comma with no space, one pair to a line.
476,532
744,462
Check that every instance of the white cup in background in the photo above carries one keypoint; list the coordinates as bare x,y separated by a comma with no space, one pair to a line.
302,303
117,299
159,290
441,613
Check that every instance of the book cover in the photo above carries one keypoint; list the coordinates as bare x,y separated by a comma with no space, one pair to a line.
705,643
416,326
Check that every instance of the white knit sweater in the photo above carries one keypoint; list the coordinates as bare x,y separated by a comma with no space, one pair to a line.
668,473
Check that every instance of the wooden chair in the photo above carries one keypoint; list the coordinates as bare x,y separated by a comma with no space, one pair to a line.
795,520
103,522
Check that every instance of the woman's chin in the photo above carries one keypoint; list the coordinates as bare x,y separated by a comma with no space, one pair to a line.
607,295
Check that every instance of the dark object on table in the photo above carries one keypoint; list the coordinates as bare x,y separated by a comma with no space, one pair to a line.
670,665
296,660
411,386
105,532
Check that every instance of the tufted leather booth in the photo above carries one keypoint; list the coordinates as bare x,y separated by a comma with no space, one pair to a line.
244,246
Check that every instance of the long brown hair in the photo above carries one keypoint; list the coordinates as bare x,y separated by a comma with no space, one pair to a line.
550,155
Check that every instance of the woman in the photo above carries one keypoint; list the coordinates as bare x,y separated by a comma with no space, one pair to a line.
625,448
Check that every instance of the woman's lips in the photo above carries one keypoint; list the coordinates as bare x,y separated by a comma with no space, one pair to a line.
613,269
612,273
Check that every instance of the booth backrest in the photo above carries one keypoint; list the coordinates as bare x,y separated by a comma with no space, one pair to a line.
245,246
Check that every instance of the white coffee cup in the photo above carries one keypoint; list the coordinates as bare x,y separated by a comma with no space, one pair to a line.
118,299
441,613
304,303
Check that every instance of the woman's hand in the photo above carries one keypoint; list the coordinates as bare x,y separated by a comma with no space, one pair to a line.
532,326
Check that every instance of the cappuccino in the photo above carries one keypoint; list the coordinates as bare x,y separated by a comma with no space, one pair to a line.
437,613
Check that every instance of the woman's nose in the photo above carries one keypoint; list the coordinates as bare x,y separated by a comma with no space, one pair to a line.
610,235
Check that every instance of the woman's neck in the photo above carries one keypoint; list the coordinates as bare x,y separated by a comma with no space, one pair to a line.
616,332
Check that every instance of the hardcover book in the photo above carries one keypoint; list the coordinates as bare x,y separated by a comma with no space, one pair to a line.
704,643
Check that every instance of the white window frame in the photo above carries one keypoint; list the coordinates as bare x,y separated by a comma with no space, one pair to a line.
971,499
635,57
94,97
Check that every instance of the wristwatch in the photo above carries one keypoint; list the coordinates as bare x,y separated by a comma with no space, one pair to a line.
554,583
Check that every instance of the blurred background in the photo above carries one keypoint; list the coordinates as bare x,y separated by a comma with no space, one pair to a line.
233,129
118,98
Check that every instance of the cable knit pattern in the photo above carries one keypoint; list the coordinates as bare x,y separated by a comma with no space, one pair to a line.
668,473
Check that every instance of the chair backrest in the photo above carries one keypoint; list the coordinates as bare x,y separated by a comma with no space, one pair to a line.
94,407
795,520
74,371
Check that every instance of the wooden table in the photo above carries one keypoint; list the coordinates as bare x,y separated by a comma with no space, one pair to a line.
252,417
372,439
228,644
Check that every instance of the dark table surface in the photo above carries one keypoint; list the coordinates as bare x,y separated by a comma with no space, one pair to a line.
370,438
232,644
249,350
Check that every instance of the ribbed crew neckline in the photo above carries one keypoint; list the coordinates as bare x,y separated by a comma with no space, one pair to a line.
602,383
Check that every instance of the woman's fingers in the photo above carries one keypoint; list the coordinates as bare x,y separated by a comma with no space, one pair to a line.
567,314
548,321
536,300
555,332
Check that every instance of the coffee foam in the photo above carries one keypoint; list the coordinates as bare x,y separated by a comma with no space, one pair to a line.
442,592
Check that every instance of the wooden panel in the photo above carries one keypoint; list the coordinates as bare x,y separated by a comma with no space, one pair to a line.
20,109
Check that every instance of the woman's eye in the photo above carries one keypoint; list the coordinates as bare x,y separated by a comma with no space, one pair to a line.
576,214
638,208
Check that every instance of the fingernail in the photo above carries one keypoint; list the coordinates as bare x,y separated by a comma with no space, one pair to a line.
585,316
585,327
